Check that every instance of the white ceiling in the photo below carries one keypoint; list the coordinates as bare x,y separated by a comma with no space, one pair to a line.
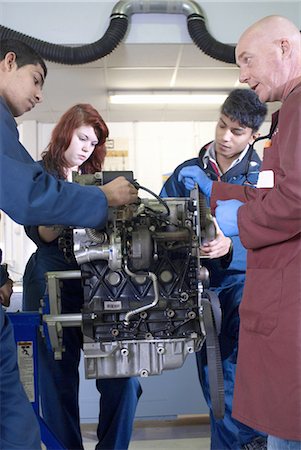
137,67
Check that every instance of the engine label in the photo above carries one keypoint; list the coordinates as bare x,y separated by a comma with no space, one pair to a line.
112,305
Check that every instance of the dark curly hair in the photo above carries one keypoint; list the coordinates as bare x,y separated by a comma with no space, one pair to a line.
244,106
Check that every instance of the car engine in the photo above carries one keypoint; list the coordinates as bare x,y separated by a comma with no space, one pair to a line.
144,285
146,299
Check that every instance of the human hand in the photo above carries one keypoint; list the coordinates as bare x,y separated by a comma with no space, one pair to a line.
226,216
120,192
6,291
50,233
190,175
218,247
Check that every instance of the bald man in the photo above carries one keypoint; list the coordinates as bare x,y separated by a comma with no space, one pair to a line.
267,393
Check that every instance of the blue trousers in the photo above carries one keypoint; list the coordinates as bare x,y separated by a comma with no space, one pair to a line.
19,428
59,386
275,443
226,433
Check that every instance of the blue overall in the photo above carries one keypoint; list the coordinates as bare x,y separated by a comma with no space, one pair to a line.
227,280
29,195
59,380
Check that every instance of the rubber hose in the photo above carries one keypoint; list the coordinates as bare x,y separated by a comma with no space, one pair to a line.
74,55
205,42
113,36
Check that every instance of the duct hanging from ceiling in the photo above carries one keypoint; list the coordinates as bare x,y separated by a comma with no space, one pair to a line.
117,28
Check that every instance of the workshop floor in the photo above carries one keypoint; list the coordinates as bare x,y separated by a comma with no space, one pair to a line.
183,434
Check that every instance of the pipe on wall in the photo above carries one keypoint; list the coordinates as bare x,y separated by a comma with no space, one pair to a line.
119,21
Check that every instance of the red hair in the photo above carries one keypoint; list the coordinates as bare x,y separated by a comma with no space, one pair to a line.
73,118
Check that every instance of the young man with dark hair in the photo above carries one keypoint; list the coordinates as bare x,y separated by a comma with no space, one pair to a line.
29,195
231,158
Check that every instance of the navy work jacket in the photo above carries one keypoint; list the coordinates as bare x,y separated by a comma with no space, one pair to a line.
243,173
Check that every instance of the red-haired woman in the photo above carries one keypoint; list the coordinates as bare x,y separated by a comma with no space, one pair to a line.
77,144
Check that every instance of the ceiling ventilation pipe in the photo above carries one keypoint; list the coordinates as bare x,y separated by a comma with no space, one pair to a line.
117,28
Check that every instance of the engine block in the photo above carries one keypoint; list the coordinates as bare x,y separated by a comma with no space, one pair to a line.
143,286
146,303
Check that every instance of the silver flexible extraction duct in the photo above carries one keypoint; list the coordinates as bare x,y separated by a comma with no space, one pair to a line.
117,28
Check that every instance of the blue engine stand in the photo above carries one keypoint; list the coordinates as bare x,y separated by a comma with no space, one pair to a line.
26,328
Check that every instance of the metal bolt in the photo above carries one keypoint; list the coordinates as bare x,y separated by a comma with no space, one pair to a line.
114,332
170,313
160,350
191,315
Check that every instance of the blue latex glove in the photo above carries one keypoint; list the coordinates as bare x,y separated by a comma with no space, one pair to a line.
226,216
190,175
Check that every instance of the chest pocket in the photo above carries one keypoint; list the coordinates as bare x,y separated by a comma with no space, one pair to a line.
271,160
259,310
